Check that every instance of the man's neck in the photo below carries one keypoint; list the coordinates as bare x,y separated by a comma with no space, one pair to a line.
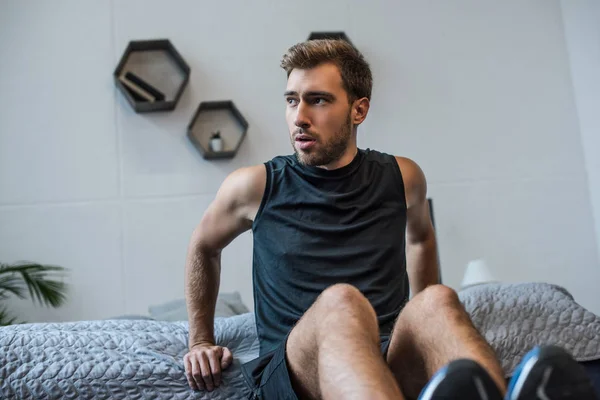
347,156
344,160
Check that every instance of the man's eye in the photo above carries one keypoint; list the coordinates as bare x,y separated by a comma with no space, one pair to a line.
319,100
291,101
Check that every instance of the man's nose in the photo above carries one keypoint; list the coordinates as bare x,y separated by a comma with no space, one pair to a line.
302,120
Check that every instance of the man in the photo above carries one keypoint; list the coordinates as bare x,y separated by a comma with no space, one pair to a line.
331,224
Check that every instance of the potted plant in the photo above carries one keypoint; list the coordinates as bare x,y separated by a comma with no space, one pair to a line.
216,142
39,282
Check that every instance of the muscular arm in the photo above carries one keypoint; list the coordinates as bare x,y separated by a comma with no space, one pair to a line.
421,247
230,214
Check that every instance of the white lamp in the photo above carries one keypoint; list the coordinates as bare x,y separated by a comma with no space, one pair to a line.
477,273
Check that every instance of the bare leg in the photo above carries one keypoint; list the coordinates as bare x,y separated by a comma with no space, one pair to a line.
334,350
432,330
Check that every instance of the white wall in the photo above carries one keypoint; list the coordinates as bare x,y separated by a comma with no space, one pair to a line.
582,31
479,94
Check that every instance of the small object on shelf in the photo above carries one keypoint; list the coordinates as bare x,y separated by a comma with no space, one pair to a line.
217,129
152,75
135,91
329,35
216,142
158,95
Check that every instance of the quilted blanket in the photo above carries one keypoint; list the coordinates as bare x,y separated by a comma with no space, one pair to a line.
117,359
142,359
516,317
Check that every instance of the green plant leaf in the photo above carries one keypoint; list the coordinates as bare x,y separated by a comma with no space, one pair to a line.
37,279
5,318
12,284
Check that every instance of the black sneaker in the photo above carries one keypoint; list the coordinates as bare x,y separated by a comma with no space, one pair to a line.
550,373
461,379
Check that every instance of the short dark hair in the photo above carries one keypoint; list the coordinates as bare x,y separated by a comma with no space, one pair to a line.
354,69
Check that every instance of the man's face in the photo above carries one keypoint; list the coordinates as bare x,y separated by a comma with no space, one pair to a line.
318,114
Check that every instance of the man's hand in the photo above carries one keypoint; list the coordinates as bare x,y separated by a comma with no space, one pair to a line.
203,365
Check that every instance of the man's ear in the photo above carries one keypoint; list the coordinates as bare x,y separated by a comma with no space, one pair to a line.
360,109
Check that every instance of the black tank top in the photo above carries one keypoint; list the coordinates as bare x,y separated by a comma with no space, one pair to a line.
318,227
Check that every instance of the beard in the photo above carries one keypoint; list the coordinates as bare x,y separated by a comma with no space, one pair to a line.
328,152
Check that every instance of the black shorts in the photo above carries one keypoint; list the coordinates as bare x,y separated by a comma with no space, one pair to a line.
268,375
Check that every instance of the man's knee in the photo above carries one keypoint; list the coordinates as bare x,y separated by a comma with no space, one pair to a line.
340,307
342,297
435,300
336,304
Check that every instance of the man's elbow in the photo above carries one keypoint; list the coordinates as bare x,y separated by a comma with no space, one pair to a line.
424,240
201,245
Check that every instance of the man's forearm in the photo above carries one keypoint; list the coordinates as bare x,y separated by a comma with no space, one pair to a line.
202,274
422,264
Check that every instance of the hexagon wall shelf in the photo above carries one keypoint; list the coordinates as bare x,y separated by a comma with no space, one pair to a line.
329,35
217,117
152,75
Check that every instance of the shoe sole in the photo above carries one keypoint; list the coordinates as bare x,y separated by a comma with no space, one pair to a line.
577,390
478,389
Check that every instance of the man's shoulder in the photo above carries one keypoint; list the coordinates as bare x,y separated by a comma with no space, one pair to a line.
282,161
245,183
407,165
379,156
404,163
414,180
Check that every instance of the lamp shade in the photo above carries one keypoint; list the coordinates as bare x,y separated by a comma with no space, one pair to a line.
477,272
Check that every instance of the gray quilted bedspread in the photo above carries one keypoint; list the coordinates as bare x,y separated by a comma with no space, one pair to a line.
142,359
516,317
117,359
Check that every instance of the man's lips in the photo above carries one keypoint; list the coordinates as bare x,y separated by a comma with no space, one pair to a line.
305,141
304,138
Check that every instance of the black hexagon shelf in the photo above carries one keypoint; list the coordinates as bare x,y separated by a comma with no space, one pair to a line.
221,119
152,75
329,35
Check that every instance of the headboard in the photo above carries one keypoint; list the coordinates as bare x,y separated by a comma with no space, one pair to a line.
430,201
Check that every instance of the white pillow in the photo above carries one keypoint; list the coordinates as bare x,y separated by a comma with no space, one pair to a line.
228,305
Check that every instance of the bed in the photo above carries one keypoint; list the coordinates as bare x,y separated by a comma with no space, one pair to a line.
142,358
